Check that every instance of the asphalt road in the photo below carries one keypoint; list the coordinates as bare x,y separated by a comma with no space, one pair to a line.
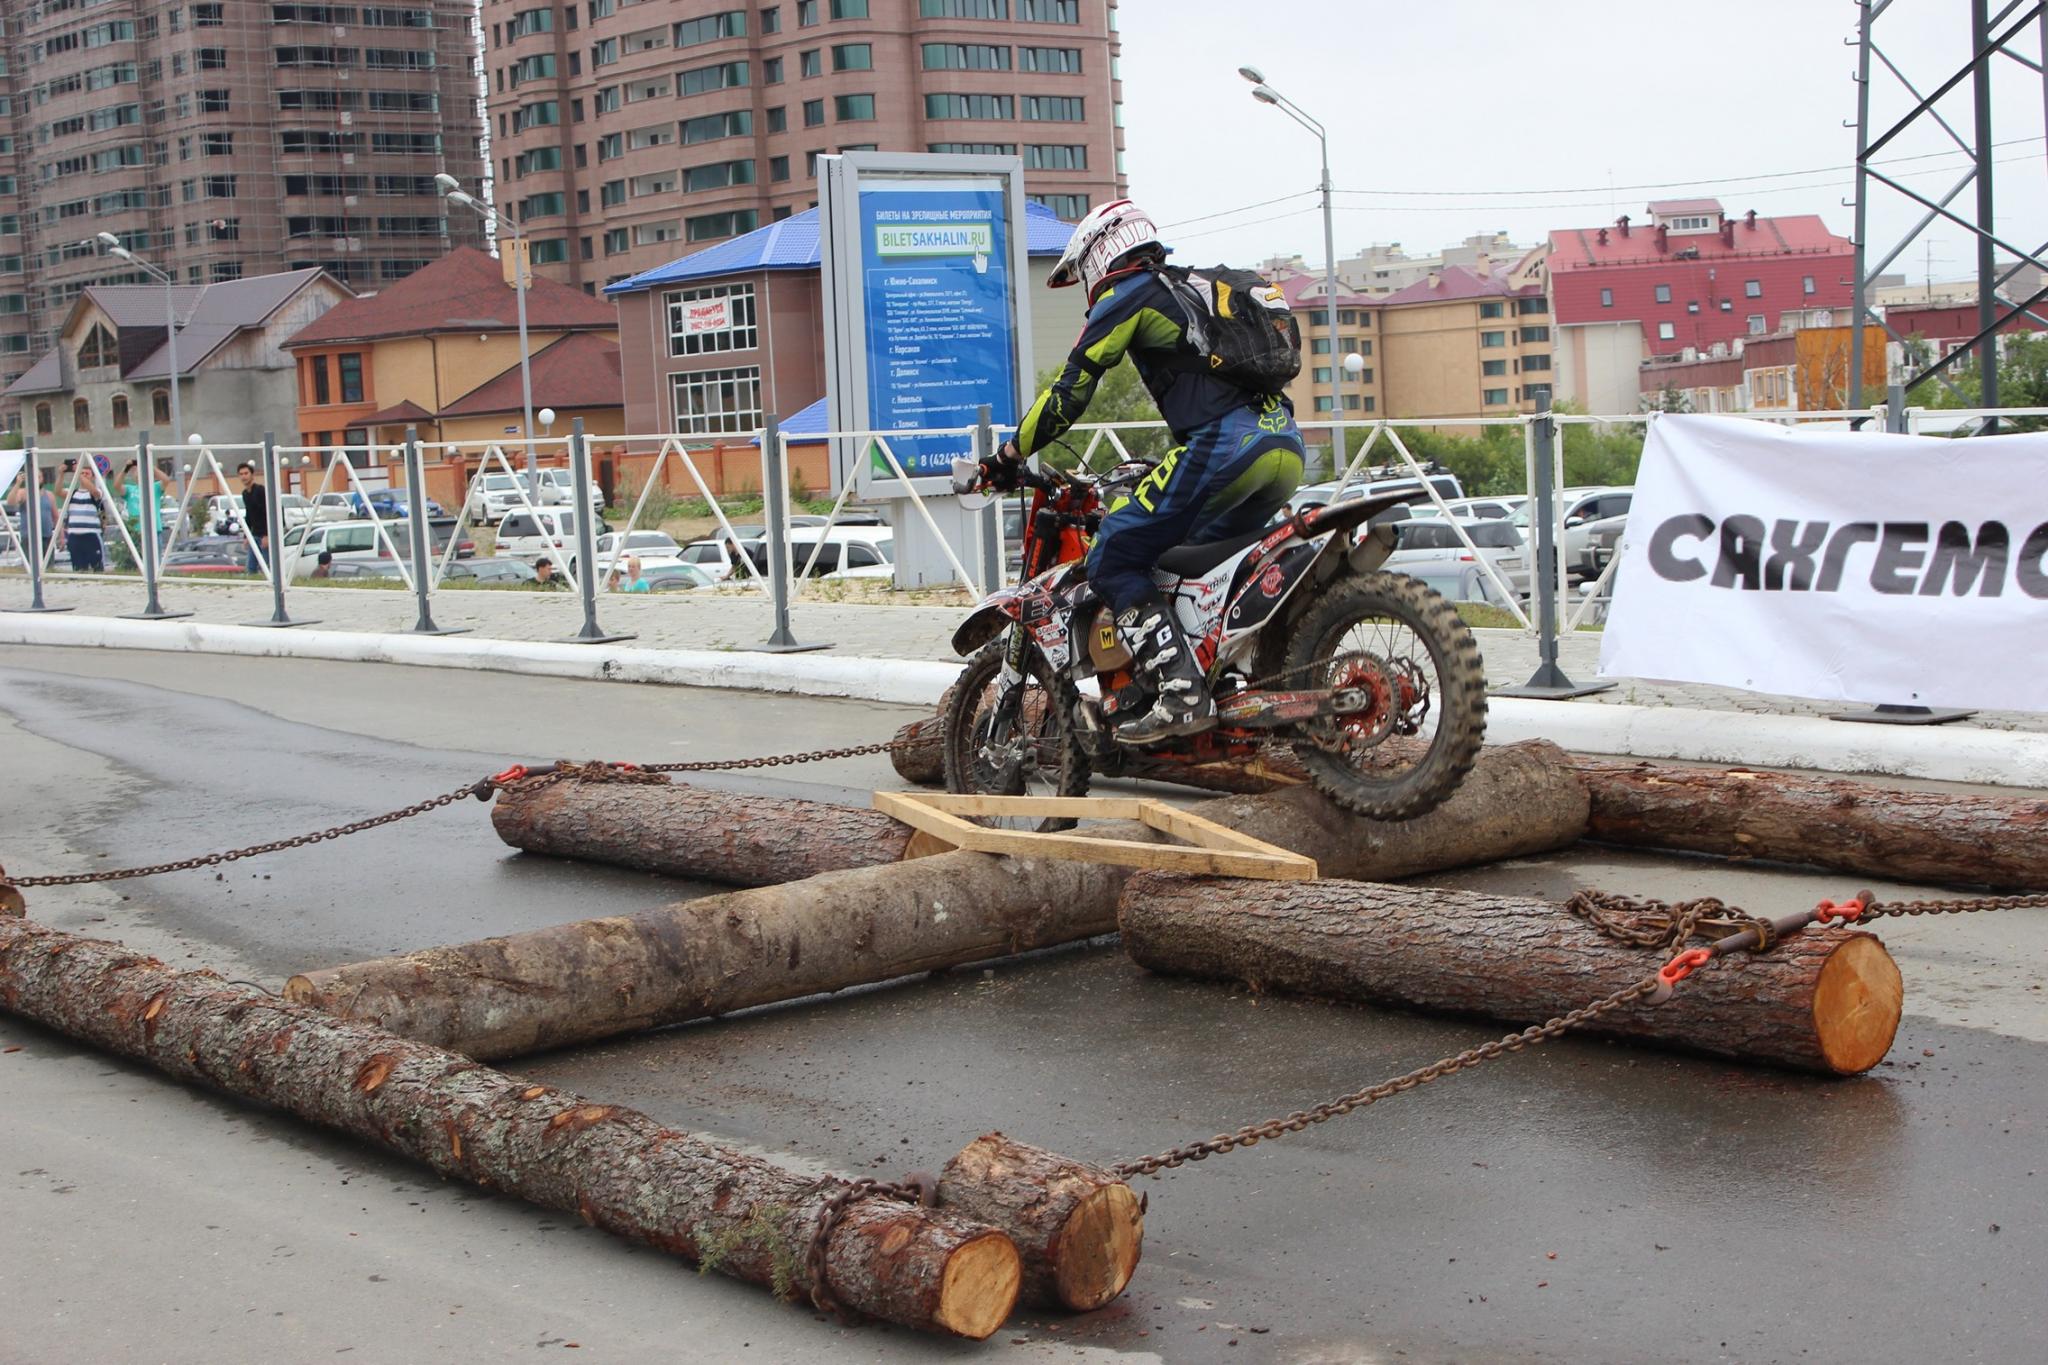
1585,1202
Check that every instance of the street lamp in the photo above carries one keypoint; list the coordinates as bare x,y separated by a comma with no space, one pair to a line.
522,266
114,248
1266,94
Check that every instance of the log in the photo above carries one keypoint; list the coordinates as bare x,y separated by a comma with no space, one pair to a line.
1825,1000
925,762
614,1167
1079,1228
590,979
695,832
1944,838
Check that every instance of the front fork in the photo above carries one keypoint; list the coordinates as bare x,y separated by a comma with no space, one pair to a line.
997,749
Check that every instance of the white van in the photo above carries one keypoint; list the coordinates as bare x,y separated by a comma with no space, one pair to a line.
357,541
547,532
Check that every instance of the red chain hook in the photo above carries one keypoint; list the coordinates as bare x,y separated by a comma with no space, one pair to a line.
1851,910
1682,966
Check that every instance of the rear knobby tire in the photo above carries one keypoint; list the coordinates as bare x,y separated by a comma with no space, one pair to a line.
1403,776
1047,711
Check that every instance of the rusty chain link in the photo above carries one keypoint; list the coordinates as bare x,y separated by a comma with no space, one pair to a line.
1644,923
1874,909
845,1197
1252,1134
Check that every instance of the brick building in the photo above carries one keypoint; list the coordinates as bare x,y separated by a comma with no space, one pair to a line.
627,132
1687,279
223,139
1465,344
1802,370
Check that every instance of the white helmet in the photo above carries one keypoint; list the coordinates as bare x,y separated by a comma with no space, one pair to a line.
1109,233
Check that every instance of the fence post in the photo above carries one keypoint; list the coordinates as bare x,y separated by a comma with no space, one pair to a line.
32,519
775,511
991,523
419,534
1549,682
1890,713
586,541
273,480
152,609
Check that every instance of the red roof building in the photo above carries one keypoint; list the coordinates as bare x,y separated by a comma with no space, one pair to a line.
1686,279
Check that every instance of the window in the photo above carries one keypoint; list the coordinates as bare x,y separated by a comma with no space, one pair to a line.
853,57
1049,11
811,63
160,406
1492,310
611,194
715,318
1535,334
1066,60
44,425
213,59
550,205
213,102
1490,340
654,135
1055,158
1756,324
718,400
778,168
1752,289
532,21
1528,306
604,52
711,226
712,127
81,415
1054,108
712,27
969,106
1806,285
1663,293
1666,331
549,251
1493,369
203,16
806,13
771,71
778,119
849,9
646,40
1068,208
608,100
718,175
614,241
1322,374
539,159
1692,224
1535,362
1607,298
1493,397
1324,403
966,57
974,148
654,234
99,348
853,108
1727,305
814,113
121,402
706,78
771,19
351,367
964,9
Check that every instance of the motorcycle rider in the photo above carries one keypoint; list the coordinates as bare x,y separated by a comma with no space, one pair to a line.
1237,455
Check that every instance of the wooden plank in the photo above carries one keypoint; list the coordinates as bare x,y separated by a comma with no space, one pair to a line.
1207,833
1096,807
925,812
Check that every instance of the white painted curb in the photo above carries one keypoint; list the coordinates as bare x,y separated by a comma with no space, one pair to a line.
1948,753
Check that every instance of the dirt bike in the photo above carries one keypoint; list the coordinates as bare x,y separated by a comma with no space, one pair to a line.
1369,677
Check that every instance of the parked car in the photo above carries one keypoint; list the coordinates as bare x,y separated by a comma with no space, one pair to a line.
352,541
559,487
334,507
207,557
549,531
1475,509
673,577
397,502
364,568
1316,495
294,509
649,547
223,514
1431,549
493,570
497,495
1588,512
851,551
712,557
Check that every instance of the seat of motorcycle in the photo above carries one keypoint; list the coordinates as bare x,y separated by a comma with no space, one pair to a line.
1192,561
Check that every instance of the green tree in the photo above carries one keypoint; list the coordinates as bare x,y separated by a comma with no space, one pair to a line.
1119,396
2022,382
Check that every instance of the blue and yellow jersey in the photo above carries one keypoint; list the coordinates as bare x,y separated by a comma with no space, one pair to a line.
1140,317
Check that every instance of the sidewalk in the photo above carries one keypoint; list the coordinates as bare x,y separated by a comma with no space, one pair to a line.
723,622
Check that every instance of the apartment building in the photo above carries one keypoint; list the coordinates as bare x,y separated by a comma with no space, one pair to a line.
225,138
1464,344
626,132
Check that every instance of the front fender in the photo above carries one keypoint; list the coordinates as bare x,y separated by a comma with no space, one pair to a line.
996,612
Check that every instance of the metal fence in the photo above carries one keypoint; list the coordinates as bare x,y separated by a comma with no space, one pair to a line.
646,471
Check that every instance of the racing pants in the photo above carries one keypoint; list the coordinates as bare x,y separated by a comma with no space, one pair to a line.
1228,480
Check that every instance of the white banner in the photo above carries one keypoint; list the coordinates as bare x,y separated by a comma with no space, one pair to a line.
1843,566
707,315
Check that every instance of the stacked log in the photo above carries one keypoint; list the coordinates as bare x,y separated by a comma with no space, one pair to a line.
1078,1228
1943,838
617,1169
1825,1000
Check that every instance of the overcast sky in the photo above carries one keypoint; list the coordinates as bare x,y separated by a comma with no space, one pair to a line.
1532,108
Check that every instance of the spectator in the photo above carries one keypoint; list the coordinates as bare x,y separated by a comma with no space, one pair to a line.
325,567
255,514
544,574
634,582
83,541
42,507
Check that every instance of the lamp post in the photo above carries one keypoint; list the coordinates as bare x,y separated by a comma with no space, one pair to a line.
522,269
1266,94
114,248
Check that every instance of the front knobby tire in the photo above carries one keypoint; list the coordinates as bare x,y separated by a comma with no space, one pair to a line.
1393,618
1056,765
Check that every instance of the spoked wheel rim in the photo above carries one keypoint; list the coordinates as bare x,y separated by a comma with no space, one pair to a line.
1038,756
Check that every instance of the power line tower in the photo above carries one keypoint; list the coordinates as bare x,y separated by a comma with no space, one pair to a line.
1996,39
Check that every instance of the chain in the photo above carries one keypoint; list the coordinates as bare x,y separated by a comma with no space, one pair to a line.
1873,908
1660,924
1252,1134
780,760
845,1197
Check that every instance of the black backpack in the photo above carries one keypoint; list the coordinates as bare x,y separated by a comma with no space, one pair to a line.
1239,326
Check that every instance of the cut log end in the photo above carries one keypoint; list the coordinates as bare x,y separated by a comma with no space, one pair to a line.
1099,1248
1856,1005
979,1286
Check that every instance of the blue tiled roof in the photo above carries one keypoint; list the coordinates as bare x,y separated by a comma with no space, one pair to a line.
805,427
792,244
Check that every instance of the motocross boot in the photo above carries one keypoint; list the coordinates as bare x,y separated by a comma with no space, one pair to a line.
1167,661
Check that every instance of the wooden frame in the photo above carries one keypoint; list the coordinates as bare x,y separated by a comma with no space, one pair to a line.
1210,848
